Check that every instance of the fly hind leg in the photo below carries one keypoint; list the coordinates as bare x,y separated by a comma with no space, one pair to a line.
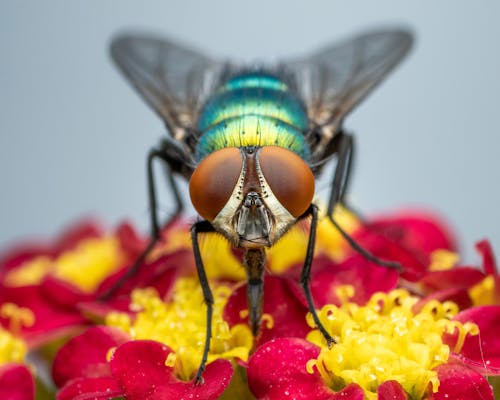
160,154
337,195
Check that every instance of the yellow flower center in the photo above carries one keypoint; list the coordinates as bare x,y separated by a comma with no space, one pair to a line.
90,263
386,340
13,349
181,325
30,273
85,266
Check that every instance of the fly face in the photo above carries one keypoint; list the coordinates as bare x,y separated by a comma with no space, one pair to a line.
252,195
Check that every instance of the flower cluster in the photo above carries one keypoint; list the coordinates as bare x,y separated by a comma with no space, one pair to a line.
428,332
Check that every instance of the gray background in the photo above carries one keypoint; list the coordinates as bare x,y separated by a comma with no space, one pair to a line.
73,135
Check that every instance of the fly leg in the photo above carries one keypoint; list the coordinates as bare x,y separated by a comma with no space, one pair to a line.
305,276
337,194
153,213
203,227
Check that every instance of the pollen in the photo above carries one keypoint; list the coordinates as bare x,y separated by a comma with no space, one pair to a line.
386,340
181,325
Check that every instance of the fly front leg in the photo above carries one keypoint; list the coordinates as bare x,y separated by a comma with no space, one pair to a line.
203,227
337,195
154,154
305,276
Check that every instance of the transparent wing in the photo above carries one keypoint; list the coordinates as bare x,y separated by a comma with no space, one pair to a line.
173,79
335,79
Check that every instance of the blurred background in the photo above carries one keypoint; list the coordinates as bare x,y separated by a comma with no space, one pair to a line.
74,135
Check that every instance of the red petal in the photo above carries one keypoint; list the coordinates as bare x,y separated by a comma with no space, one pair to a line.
459,277
140,368
366,278
160,274
391,390
277,370
489,263
481,351
217,377
85,229
458,382
102,388
52,320
16,382
280,301
130,240
63,292
85,354
416,230
409,238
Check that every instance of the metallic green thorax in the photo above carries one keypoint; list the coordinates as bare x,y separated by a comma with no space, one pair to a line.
253,109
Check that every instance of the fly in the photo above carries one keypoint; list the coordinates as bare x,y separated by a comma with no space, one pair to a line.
251,141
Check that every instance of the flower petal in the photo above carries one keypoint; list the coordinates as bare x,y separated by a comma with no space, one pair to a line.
52,320
160,274
365,277
481,351
281,301
277,371
16,382
459,277
408,238
489,263
216,379
101,388
140,368
458,382
391,390
85,355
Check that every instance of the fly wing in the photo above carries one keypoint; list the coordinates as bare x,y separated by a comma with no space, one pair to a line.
335,79
173,79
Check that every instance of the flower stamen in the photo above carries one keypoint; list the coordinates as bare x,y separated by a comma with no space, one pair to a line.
17,316
181,325
386,340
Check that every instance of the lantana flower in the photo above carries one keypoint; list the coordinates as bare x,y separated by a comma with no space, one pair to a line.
152,343
161,340
384,350
54,279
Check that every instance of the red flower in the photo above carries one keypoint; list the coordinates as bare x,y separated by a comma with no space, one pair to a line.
16,382
280,369
42,278
137,370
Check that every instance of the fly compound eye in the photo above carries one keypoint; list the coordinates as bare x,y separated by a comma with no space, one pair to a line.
289,177
213,181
